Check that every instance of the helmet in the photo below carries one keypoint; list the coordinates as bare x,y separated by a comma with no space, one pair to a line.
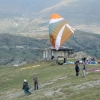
25,80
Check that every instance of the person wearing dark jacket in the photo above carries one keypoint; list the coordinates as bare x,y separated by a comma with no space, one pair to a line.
35,79
26,87
77,69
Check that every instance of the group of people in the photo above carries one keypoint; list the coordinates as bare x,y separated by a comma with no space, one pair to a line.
26,87
77,69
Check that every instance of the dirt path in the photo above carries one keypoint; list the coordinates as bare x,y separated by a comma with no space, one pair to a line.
54,90
15,95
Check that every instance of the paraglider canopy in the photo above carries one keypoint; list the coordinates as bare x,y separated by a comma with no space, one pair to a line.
59,30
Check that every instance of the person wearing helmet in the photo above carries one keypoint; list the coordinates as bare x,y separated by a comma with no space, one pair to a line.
26,87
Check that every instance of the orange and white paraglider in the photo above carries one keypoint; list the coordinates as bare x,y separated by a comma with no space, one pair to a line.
59,30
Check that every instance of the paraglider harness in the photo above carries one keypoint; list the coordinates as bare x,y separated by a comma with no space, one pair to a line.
26,86
60,63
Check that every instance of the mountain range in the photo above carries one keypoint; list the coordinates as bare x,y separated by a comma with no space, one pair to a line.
18,49
31,17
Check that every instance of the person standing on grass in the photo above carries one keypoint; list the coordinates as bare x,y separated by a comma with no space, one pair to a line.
35,79
77,69
84,70
26,87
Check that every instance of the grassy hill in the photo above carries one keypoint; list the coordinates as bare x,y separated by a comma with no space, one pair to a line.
56,82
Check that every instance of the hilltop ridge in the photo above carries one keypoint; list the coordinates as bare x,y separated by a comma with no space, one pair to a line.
29,17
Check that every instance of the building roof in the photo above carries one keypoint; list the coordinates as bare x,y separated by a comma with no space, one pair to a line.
62,48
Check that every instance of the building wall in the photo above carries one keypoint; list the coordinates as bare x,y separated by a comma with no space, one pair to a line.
47,54
60,53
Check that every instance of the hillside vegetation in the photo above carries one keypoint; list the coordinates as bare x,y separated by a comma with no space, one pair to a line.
19,49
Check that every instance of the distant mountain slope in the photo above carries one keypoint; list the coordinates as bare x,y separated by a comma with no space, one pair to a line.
28,17
84,41
18,49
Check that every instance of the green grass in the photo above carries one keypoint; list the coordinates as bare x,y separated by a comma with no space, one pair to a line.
56,82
